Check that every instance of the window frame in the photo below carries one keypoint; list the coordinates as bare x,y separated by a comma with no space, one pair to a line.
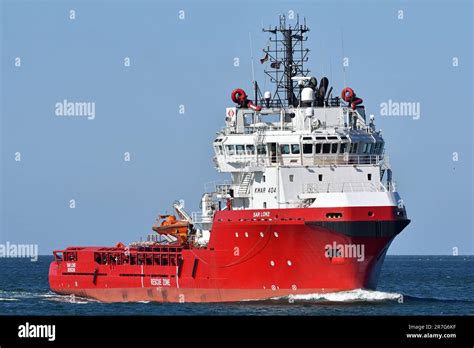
311,145
261,147
343,147
249,152
292,146
316,145
328,152
242,151
227,150
284,146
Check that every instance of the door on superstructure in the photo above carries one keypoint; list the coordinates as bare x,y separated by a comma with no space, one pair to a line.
272,152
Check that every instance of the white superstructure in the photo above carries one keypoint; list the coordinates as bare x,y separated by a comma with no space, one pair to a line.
298,146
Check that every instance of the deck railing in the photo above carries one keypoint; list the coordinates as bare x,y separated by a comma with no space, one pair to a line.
347,187
300,159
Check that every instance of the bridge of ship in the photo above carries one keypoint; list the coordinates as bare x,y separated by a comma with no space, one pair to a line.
243,151
342,137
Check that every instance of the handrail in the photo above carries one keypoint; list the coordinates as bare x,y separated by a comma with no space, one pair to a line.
305,160
334,187
199,218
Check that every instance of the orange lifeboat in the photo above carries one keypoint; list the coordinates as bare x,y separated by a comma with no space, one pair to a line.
173,227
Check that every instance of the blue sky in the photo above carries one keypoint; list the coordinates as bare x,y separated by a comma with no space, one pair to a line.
190,62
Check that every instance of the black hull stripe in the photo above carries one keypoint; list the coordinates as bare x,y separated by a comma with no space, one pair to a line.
380,228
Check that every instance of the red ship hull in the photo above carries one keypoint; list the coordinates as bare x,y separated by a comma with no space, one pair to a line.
251,255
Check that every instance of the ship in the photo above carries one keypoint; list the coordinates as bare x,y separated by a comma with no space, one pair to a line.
309,207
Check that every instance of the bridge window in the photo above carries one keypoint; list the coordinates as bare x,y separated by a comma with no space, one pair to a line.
334,148
318,148
343,148
250,149
295,149
285,149
369,148
320,177
378,148
308,148
261,149
240,149
353,147
381,148
230,150
369,177
326,148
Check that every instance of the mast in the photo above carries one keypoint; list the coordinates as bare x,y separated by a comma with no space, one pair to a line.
287,56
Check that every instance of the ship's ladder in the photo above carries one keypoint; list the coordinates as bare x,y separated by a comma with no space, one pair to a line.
259,140
245,183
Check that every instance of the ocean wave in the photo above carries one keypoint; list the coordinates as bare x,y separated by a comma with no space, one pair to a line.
350,296
14,295
49,296
67,298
